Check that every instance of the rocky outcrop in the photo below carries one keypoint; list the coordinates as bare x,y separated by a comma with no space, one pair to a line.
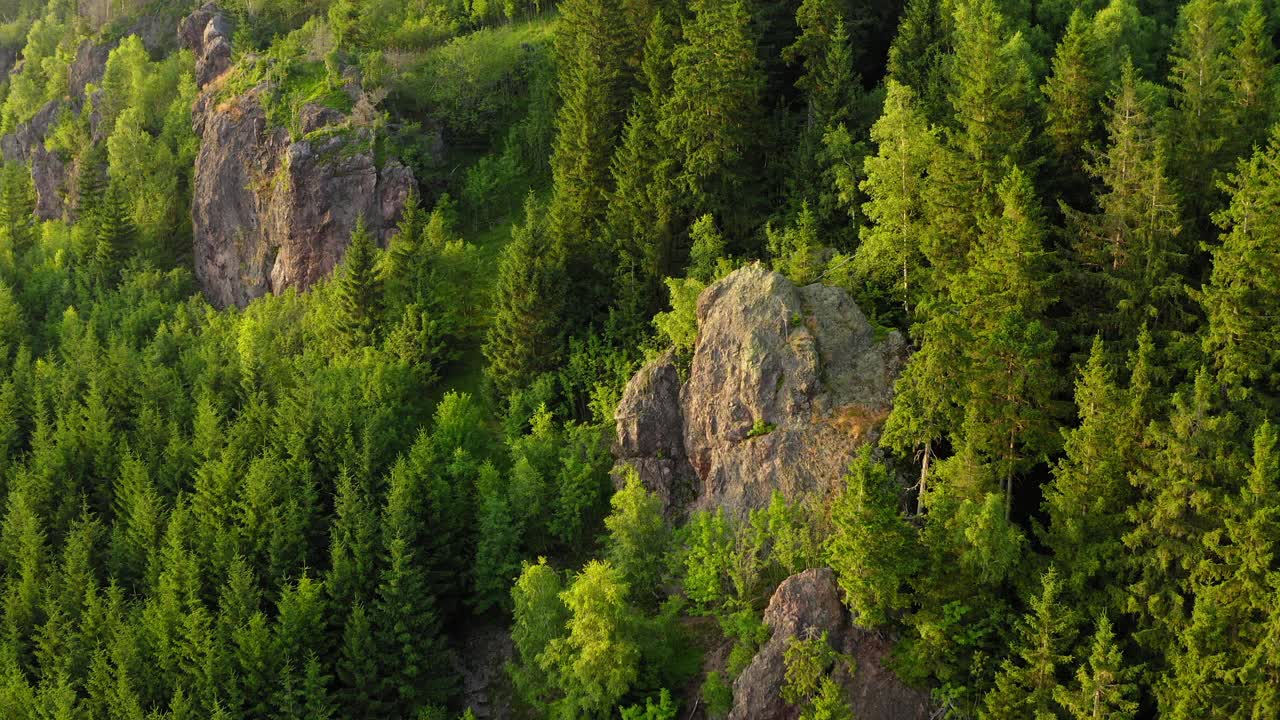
806,606
271,211
49,171
481,661
785,384
651,433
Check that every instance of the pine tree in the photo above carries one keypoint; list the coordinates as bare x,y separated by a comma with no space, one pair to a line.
1128,253
1028,682
1104,686
890,254
1242,297
358,668
524,339
359,291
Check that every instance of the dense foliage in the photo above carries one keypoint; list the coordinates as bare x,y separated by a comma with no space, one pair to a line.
308,507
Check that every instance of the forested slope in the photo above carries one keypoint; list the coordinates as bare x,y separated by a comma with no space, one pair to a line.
315,319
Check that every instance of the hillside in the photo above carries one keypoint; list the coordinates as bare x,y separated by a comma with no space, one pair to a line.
653,359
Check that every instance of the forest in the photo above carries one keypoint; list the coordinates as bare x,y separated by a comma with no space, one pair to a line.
309,507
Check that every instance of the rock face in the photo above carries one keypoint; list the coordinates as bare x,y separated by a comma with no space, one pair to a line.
785,384
269,211
49,172
807,605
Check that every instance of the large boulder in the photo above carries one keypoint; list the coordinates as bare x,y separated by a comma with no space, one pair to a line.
785,384
806,606
271,211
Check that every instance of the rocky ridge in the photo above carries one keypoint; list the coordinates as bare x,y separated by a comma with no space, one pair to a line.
271,211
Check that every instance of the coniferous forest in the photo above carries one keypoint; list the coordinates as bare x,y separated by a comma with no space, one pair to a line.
237,481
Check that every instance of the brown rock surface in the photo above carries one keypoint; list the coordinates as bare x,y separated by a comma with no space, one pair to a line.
271,211
807,605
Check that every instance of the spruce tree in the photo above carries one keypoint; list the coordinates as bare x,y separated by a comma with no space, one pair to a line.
359,291
711,115
993,92
593,45
872,548
524,339
18,208
1242,297
412,665
1200,78
1183,480
1128,255
1028,682
115,240
1089,494
1251,82
1073,97
917,57
890,254
1104,686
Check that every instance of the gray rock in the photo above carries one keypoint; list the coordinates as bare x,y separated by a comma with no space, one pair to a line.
49,171
806,606
481,661
89,66
207,33
785,385
651,434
